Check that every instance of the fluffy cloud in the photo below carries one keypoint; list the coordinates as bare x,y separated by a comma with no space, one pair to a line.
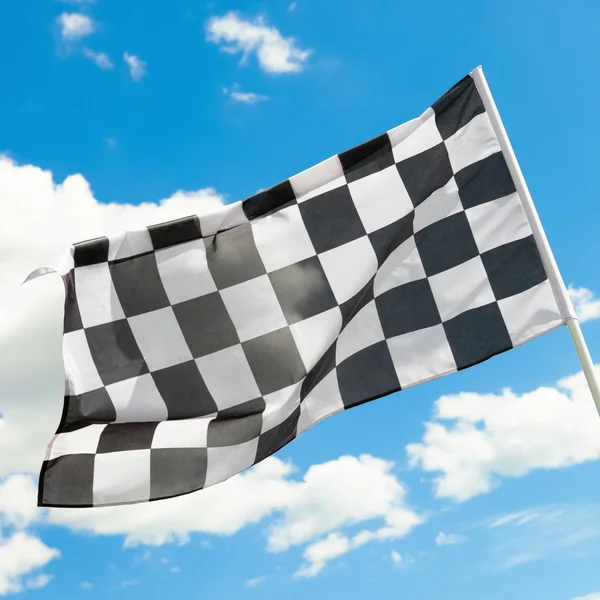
18,501
595,596
100,59
75,26
587,306
476,438
319,553
396,557
137,67
332,497
21,555
275,54
40,220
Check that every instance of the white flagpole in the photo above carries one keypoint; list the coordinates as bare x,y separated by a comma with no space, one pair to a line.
585,359
561,294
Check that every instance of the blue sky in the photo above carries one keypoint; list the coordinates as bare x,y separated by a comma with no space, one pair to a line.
187,103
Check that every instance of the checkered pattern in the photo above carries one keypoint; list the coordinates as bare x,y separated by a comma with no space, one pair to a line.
197,348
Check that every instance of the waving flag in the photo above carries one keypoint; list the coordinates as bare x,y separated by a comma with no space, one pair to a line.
195,349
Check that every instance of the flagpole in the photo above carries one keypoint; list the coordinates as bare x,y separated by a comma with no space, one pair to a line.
561,294
586,360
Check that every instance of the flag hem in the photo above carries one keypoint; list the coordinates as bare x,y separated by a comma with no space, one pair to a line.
561,296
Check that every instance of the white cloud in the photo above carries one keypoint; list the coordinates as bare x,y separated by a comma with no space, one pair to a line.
587,306
519,518
318,554
476,438
337,489
255,581
550,532
595,596
40,219
243,97
86,586
100,59
332,496
247,97
75,26
275,54
38,582
137,67
292,7
449,539
18,507
20,555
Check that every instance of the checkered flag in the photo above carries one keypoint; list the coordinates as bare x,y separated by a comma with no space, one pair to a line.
197,348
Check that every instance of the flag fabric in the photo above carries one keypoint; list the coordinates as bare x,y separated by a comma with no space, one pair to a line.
197,348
